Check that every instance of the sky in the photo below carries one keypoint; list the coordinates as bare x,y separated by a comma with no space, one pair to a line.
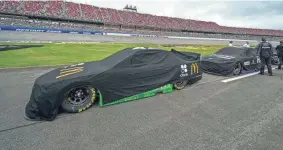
251,14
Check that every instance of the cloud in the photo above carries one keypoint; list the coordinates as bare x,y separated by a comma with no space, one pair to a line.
253,14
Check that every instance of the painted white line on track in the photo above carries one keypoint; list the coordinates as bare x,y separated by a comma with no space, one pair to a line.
243,76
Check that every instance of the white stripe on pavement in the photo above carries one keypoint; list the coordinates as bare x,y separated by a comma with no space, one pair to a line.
241,77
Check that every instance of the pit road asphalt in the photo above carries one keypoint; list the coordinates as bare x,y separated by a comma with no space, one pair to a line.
243,114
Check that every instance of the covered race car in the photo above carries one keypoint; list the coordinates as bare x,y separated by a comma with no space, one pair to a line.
129,74
231,61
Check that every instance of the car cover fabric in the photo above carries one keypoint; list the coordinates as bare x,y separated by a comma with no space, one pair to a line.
126,73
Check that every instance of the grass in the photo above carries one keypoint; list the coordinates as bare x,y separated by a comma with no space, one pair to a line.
59,54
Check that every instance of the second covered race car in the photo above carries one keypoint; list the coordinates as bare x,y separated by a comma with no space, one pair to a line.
231,61
129,74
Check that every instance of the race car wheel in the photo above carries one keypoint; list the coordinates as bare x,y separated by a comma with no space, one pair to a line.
78,99
238,69
274,60
194,80
180,85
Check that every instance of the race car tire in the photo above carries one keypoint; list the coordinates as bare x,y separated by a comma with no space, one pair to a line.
274,61
78,98
180,85
238,69
194,80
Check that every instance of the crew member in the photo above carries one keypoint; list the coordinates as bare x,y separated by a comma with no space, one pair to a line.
264,50
247,44
230,43
279,49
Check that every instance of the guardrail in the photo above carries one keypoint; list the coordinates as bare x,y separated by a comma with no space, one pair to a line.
72,31
52,30
174,37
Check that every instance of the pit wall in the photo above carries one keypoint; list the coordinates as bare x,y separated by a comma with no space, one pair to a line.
114,37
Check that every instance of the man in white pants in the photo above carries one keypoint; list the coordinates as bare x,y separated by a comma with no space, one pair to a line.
246,45
230,44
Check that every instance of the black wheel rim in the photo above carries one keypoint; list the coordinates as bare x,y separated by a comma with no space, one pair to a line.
79,95
237,69
276,61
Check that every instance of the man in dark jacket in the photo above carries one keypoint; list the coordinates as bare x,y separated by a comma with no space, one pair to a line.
264,50
279,49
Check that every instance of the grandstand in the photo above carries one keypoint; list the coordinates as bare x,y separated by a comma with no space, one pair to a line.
63,14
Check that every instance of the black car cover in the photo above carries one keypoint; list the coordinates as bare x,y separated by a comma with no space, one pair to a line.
126,73
224,60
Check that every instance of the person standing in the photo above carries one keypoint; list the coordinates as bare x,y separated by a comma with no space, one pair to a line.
279,49
247,44
230,44
264,50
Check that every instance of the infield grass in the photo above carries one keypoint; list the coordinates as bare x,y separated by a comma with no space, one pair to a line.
60,54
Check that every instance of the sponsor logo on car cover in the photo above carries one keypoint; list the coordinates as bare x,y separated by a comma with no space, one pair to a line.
223,56
184,70
69,70
247,63
194,68
74,65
